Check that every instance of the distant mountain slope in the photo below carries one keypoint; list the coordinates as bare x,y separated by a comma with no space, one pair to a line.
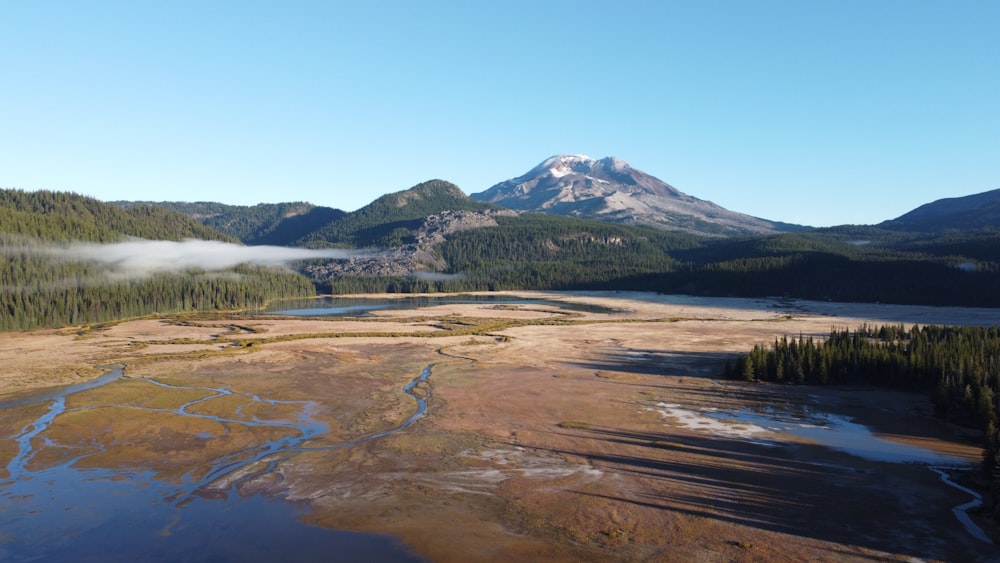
970,212
266,223
67,216
610,190
393,218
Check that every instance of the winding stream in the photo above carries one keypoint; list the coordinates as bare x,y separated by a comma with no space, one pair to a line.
56,505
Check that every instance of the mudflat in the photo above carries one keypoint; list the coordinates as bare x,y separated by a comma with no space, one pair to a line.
549,434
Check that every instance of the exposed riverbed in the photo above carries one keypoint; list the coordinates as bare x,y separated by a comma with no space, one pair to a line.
541,439
66,499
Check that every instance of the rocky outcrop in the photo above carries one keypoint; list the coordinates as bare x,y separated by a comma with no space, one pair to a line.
415,256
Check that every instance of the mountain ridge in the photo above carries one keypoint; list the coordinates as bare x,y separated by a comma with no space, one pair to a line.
394,216
265,223
433,237
975,211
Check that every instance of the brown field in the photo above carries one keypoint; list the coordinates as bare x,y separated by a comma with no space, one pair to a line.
544,437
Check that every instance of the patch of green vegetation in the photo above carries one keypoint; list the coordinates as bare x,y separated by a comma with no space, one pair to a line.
135,392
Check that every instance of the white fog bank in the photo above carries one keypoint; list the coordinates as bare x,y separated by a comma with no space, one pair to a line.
145,257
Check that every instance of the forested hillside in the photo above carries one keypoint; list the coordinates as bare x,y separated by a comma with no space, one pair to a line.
541,251
551,252
42,285
282,224
62,216
977,211
390,219
536,251
862,264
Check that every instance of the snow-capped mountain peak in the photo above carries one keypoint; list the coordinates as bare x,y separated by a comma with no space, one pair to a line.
610,189
615,164
562,164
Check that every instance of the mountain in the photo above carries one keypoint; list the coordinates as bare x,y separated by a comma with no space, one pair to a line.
266,223
611,190
62,216
394,218
433,237
978,211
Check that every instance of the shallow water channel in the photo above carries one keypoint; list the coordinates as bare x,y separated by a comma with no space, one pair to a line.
354,306
78,500
83,479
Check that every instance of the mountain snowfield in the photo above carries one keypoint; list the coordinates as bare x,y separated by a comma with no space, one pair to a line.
609,189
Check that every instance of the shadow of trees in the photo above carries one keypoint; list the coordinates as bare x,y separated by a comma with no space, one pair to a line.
657,362
798,489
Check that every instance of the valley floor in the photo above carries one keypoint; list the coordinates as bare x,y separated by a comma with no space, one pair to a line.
552,435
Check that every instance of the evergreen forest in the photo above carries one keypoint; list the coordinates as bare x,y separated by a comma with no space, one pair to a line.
391,219
548,252
37,289
885,263
957,367
281,224
527,251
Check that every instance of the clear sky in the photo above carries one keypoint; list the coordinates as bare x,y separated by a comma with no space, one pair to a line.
812,112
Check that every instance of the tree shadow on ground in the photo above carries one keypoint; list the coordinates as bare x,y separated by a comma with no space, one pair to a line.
797,489
658,362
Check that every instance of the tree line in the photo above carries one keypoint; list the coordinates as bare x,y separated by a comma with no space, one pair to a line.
37,294
64,216
38,290
535,251
543,251
958,367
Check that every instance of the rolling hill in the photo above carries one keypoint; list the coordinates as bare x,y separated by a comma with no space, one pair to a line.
977,211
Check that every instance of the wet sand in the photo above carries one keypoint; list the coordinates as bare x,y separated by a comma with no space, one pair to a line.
543,438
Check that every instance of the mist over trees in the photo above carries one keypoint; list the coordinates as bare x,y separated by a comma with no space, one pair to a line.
525,251
886,263
40,289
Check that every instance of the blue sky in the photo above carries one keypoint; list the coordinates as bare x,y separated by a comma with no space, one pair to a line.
813,112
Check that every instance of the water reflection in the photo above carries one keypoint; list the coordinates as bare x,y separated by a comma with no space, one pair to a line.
73,491
837,433
354,306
